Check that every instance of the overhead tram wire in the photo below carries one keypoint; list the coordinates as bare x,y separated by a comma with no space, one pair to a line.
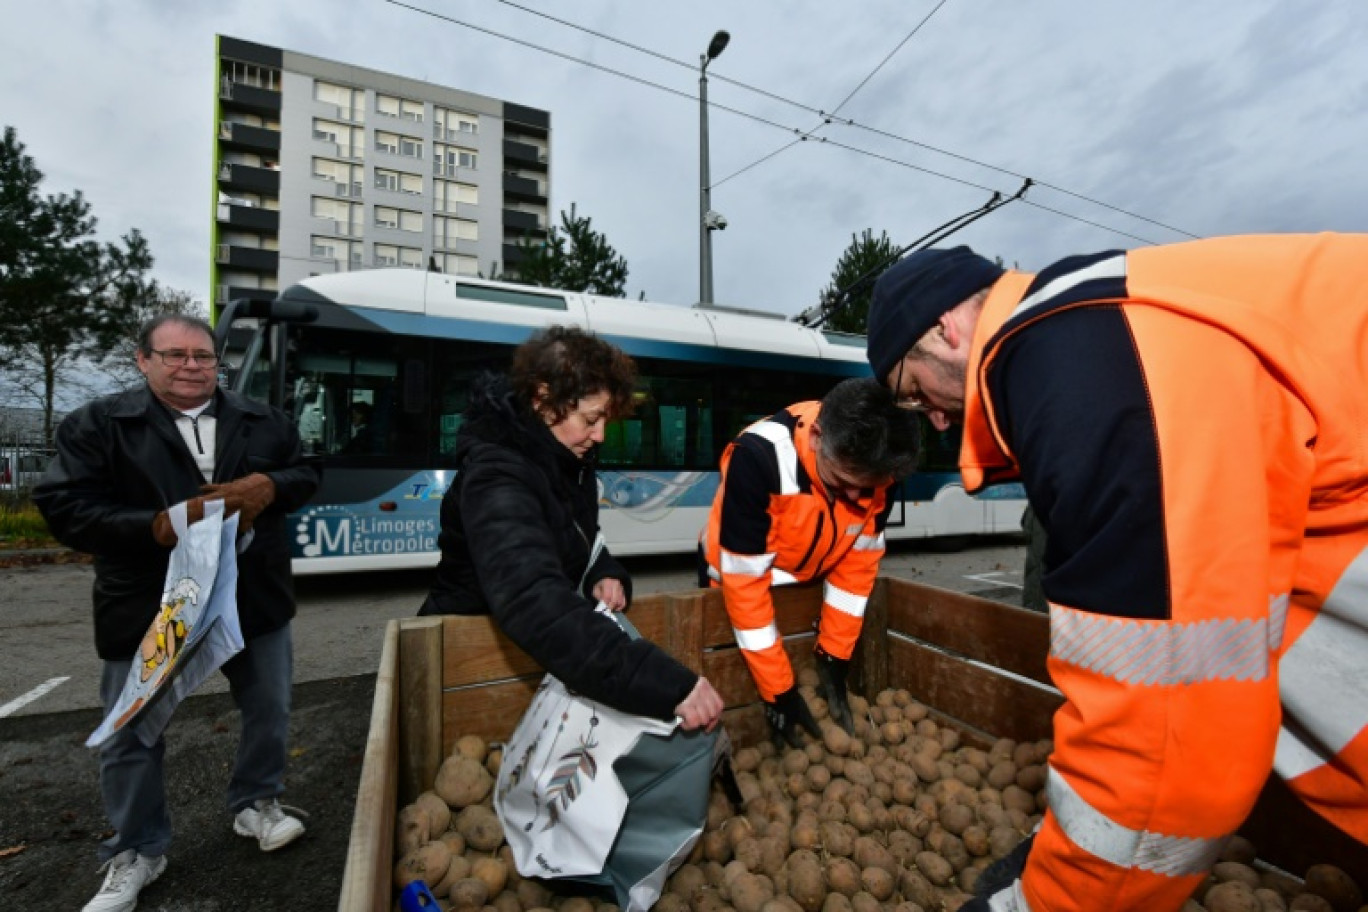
834,303
749,116
832,118
826,119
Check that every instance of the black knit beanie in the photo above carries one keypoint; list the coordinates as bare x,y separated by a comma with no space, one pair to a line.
911,296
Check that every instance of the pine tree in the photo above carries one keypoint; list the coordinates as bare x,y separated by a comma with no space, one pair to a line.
865,255
64,296
574,257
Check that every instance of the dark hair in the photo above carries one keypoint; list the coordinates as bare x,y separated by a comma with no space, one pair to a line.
864,430
151,326
572,364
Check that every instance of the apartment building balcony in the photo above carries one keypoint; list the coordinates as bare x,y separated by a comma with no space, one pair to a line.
249,177
524,155
226,293
513,255
524,189
248,138
243,97
249,217
250,258
521,222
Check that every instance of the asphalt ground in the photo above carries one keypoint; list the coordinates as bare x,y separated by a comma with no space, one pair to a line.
51,820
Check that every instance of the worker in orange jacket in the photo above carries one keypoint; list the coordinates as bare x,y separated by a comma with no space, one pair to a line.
804,496
1191,425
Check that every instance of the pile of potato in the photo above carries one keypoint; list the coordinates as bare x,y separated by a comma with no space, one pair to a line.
1236,884
901,816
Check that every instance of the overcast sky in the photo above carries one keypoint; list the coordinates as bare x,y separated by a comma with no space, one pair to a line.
1218,117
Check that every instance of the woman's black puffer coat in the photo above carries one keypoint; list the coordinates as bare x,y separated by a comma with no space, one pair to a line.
518,525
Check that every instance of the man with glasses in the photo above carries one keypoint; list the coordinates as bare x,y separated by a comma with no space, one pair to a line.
804,496
121,461
1189,423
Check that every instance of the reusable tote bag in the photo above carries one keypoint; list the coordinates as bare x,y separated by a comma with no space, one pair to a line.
195,631
599,796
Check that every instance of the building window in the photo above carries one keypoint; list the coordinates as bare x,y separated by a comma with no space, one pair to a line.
457,264
345,254
448,158
346,176
447,231
449,124
345,216
347,140
449,193
393,255
403,219
350,102
396,144
390,106
399,181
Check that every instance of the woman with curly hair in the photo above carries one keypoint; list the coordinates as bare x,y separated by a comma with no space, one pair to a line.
520,523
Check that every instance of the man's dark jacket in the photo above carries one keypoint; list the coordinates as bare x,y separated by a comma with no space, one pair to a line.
121,460
518,525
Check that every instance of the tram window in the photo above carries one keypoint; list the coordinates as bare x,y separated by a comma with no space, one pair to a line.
752,395
940,449
455,365
354,395
671,425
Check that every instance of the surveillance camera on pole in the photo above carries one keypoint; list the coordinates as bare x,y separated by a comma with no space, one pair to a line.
715,221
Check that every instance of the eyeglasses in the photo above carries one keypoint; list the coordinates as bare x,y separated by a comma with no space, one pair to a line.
174,357
913,401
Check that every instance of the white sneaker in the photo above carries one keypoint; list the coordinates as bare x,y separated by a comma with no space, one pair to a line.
267,823
128,873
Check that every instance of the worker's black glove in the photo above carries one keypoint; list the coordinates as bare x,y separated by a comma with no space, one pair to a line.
786,714
999,876
832,673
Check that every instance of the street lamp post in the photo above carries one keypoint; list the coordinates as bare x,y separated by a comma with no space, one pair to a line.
707,221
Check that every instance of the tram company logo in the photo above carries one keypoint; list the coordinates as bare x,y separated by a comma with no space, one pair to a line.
334,531
324,532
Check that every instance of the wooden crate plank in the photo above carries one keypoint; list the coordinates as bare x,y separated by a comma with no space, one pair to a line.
1000,635
977,696
477,652
796,609
420,681
366,878
869,664
683,634
1290,835
491,711
726,669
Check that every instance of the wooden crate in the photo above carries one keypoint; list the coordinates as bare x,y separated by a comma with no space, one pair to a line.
979,664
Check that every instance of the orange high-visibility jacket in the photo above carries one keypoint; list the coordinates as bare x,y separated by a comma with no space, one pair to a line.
1191,424
772,522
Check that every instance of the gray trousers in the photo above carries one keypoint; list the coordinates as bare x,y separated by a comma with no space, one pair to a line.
132,780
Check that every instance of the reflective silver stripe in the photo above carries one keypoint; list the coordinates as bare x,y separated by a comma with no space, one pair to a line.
1096,833
782,577
1277,620
784,450
1158,652
756,639
869,543
746,564
841,600
1110,268
1321,679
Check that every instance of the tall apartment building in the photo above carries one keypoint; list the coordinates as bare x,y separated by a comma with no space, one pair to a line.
323,167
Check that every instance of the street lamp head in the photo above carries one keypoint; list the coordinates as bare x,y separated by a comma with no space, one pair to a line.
718,44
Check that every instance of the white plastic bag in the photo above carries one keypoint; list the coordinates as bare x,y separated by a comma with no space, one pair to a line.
195,631
592,794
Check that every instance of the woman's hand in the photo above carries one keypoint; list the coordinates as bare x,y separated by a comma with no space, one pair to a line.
702,708
610,592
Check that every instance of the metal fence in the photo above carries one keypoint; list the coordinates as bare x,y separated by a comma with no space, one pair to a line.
24,456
